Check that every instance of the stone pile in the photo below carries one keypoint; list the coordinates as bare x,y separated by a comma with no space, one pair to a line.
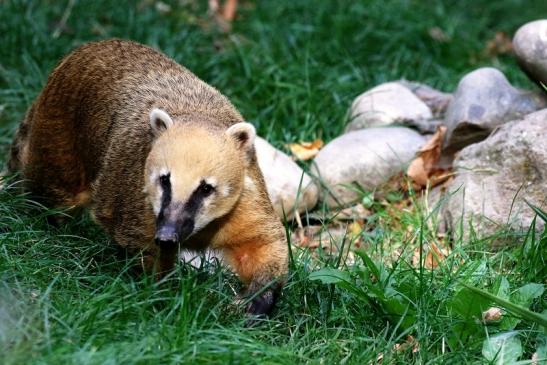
496,141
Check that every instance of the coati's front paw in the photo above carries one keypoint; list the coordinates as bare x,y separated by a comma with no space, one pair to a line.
261,305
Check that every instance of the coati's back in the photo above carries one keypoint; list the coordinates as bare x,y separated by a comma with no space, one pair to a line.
111,86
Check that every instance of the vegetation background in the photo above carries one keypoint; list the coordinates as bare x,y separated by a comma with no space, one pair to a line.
292,67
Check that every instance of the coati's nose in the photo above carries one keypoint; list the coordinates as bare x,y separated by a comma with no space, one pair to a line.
170,234
166,235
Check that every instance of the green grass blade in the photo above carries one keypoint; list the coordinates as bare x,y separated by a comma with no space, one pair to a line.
538,211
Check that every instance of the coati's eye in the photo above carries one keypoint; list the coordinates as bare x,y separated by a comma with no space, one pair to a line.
206,189
164,181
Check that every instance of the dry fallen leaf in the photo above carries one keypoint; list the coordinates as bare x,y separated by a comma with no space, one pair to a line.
493,314
305,150
229,10
410,342
438,34
355,228
305,237
434,256
431,260
379,358
501,43
225,14
423,169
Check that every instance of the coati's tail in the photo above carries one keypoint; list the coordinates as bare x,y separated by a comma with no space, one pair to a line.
17,153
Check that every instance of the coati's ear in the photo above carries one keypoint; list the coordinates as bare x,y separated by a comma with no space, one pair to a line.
243,134
160,121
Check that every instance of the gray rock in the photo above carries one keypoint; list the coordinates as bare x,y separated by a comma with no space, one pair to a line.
530,46
283,178
365,158
209,258
484,100
386,104
496,176
436,100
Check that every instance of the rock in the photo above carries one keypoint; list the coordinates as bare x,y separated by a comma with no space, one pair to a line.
386,104
437,101
496,177
368,158
530,47
283,177
484,100
209,258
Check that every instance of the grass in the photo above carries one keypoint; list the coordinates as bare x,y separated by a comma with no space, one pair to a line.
292,68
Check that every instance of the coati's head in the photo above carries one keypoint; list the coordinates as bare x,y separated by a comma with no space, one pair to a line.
194,175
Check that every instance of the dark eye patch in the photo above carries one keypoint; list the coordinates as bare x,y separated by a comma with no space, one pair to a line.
205,189
165,181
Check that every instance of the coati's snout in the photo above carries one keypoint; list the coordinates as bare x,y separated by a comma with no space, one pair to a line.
173,227
187,185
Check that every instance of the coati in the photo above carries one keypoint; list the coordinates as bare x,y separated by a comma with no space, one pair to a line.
161,158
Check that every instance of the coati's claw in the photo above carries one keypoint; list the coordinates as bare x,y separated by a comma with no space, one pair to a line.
260,307
262,304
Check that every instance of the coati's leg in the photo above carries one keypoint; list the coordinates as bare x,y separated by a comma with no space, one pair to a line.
126,218
154,260
45,160
50,164
262,268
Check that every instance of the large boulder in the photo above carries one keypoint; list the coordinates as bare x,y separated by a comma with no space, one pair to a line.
366,158
389,103
530,46
496,177
483,101
289,187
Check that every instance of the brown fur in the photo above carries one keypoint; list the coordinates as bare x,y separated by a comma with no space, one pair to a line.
86,140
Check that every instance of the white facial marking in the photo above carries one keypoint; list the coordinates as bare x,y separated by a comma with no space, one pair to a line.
154,183
199,223
211,181
225,190
249,183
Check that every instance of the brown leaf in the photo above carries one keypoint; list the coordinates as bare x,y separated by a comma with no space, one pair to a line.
500,44
438,34
493,314
432,258
423,169
305,150
355,228
380,358
223,14
410,342
435,256
304,237
229,10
